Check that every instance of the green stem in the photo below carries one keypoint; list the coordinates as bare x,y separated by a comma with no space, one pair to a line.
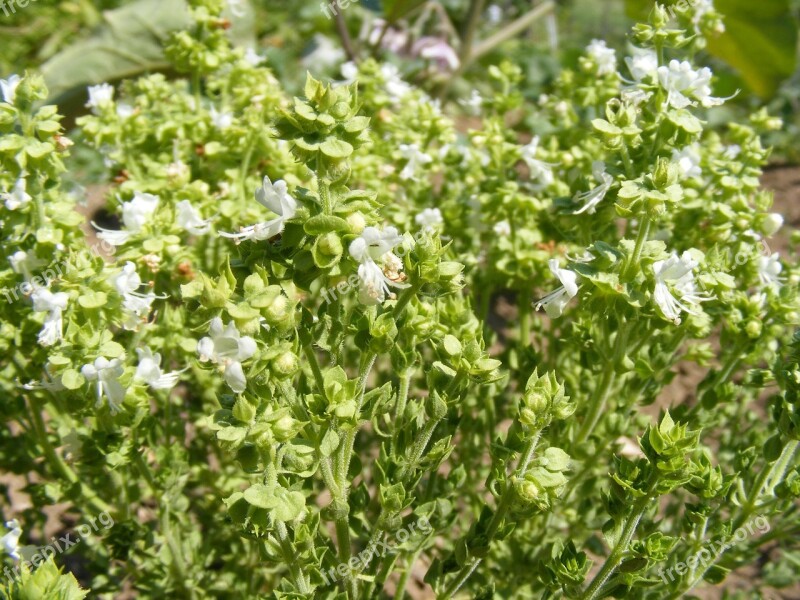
617,554
641,238
626,159
289,555
509,31
57,463
177,565
324,195
400,405
248,156
315,369
502,508
470,26
420,443
765,482
596,404
400,592
404,299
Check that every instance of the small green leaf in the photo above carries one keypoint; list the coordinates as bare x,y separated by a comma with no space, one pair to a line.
336,149
320,224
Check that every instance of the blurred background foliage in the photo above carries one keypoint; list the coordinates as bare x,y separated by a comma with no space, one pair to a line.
80,42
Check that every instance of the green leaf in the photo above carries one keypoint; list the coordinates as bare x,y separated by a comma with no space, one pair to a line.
329,443
336,149
111,349
760,42
290,505
90,299
71,379
555,459
130,42
451,345
320,224
605,127
261,496
397,9
685,120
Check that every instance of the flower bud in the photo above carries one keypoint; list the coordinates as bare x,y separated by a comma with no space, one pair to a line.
753,328
339,110
278,311
772,223
284,428
357,222
285,364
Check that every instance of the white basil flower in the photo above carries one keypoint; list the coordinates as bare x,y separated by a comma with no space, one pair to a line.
99,96
17,197
326,54
221,120
137,308
253,57
127,280
24,263
396,88
688,161
769,271
604,57
732,151
135,214
276,198
474,103
701,9
370,248
429,218
539,170
189,219
555,302
53,304
227,348
107,373
595,196
686,86
502,228
10,541
676,275
643,64
349,71
415,158
8,88
635,96
125,111
772,224
149,371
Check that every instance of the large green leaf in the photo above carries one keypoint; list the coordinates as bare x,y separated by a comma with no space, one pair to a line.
130,42
760,42
760,39
397,9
